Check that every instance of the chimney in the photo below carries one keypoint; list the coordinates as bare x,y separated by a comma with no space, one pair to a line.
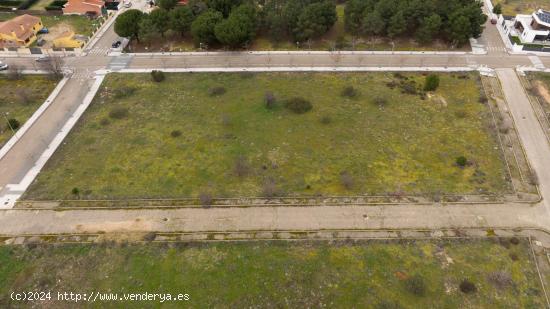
22,28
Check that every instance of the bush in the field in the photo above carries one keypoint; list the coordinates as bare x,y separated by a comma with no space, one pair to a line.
298,105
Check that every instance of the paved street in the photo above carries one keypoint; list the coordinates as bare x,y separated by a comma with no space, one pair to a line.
15,222
23,155
529,128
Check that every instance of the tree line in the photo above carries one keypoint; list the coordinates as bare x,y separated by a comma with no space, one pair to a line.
453,20
235,23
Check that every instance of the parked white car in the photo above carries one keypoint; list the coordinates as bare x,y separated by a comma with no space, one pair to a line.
127,4
3,66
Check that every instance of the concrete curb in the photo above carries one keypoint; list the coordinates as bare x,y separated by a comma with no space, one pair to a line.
41,72
312,52
301,69
13,140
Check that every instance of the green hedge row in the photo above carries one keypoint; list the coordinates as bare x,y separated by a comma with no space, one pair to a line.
59,3
56,5
26,4
11,3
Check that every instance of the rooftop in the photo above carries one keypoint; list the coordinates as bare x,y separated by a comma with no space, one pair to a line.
20,25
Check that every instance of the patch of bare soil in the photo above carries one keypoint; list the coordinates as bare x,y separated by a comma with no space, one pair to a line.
542,91
55,32
437,98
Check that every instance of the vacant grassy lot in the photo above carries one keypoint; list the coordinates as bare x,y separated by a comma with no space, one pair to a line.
541,88
20,99
513,7
281,274
196,133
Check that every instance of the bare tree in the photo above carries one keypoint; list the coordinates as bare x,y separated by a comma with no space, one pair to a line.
347,180
206,199
24,95
270,188
15,72
241,166
54,66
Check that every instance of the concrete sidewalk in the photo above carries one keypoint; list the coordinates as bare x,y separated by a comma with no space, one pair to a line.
530,131
234,219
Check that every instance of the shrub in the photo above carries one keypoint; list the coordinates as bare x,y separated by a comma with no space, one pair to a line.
13,124
500,279
123,91
514,256
533,178
118,113
514,241
461,114
325,119
340,42
150,236
408,87
416,285
380,101
26,4
75,191
497,9
10,3
175,133
247,75
158,76
399,75
298,105
483,98
387,304
347,180
24,95
431,83
461,161
349,92
269,188
216,91
269,100
206,199
241,168
467,287
104,122
226,120
15,72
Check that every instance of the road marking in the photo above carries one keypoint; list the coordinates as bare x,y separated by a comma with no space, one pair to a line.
120,62
536,62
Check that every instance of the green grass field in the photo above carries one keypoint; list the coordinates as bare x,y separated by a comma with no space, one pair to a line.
231,145
20,99
513,7
283,274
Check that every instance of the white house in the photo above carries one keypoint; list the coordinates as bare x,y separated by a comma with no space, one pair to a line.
530,29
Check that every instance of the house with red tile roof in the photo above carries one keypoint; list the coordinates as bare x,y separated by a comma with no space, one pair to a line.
19,31
84,7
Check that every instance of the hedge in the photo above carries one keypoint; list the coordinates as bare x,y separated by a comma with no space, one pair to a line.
11,3
26,4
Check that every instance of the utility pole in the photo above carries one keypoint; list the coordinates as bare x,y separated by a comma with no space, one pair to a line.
8,121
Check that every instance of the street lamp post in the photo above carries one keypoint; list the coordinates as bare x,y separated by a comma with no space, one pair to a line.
8,121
